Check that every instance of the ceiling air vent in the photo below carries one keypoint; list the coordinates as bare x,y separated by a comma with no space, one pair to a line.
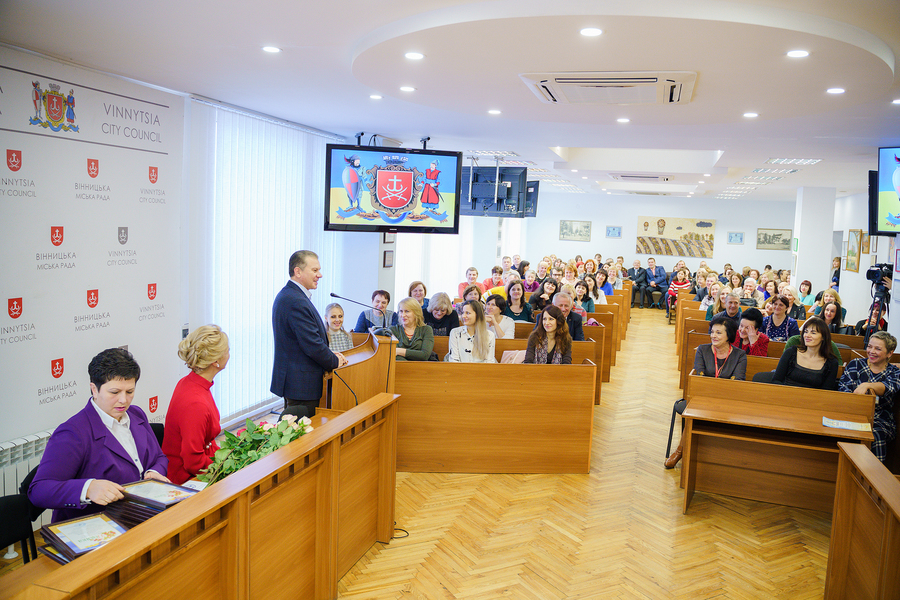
612,87
639,178
649,193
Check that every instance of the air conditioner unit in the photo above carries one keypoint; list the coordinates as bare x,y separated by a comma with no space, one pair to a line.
612,87
639,178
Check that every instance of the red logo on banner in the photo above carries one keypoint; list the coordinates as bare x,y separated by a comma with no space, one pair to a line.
93,298
14,159
151,290
154,174
56,235
56,106
14,306
57,368
93,167
154,403
395,188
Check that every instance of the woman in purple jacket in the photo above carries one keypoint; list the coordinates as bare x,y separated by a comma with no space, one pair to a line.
108,443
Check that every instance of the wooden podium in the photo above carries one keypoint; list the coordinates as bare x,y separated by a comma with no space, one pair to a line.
370,371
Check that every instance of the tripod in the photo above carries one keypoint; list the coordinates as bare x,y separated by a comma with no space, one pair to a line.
880,299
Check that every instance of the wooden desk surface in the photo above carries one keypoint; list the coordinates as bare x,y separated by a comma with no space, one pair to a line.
779,417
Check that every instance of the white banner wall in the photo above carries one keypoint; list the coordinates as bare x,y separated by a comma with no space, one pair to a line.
90,255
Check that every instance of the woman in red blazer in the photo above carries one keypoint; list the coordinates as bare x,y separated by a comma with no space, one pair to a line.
192,422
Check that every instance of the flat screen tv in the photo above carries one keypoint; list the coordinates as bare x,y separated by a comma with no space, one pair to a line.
493,197
372,188
884,194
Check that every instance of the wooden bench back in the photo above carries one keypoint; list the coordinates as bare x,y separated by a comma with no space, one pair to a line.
615,326
761,364
623,312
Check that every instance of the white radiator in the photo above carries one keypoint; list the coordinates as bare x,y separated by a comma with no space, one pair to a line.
17,458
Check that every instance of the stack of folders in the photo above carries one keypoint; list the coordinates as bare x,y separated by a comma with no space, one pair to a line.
145,499
70,539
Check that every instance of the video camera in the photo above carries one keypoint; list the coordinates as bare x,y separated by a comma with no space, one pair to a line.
876,275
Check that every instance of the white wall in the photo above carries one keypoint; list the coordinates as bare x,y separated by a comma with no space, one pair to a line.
604,210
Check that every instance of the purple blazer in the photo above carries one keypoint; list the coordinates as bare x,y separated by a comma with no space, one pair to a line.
83,448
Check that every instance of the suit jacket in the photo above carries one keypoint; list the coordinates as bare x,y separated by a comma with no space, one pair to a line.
302,354
639,277
575,329
658,275
83,448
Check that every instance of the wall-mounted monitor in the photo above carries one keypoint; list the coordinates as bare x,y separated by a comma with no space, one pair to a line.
492,196
531,198
884,194
371,188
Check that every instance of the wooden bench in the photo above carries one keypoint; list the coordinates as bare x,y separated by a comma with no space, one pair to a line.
623,313
742,440
581,351
865,529
460,418
617,326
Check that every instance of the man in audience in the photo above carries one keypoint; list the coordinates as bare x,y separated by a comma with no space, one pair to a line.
495,278
732,307
302,354
711,279
557,274
657,281
564,302
507,262
517,260
639,277
726,273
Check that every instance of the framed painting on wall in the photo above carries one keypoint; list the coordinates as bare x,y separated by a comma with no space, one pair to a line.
773,239
864,246
575,231
614,231
736,237
854,242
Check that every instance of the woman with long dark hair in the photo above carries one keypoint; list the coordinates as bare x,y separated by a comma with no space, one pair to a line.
543,297
811,363
550,342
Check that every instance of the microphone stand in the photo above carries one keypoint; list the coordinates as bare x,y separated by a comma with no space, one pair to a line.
382,331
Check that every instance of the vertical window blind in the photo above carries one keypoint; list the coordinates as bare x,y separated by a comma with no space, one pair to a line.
255,195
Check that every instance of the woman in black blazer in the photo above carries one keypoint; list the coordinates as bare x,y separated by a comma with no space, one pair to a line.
719,359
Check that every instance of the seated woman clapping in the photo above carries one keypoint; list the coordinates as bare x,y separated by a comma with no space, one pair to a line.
472,342
544,296
416,339
811,363
497,322
718,359
750,339
440,315
378,316
550,342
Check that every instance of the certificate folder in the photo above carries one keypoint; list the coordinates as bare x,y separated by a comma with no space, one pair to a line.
78,536
156,494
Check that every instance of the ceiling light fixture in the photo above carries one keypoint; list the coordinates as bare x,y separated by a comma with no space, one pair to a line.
414,55
271,49
375,97
574,170
707,175
798,53
701,182
751,115
623,120
835,90
407,88
897,101
493,111
591,32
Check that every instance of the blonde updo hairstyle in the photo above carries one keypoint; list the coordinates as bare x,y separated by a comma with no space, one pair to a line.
202,347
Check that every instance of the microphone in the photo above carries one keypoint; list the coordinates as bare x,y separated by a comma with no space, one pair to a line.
380,331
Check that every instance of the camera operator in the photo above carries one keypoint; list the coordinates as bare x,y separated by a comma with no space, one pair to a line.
881,276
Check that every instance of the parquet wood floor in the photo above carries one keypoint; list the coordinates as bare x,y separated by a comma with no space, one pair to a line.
617,532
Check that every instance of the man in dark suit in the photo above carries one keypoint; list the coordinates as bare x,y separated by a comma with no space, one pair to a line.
302,354
657,281
639,276
564,303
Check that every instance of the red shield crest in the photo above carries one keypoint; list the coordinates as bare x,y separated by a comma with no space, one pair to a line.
56,235
93,167
14,159
151,290
394,188
154,174
154,403
56,106
57,368
93,298
14,306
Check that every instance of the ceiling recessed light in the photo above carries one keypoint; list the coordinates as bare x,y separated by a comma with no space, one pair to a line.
493,111
751,115
835,90
407,88
897,101
798,53
701,182
414,55
591,32
623,120
706,175
574,170
584,176
272,49
374,96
